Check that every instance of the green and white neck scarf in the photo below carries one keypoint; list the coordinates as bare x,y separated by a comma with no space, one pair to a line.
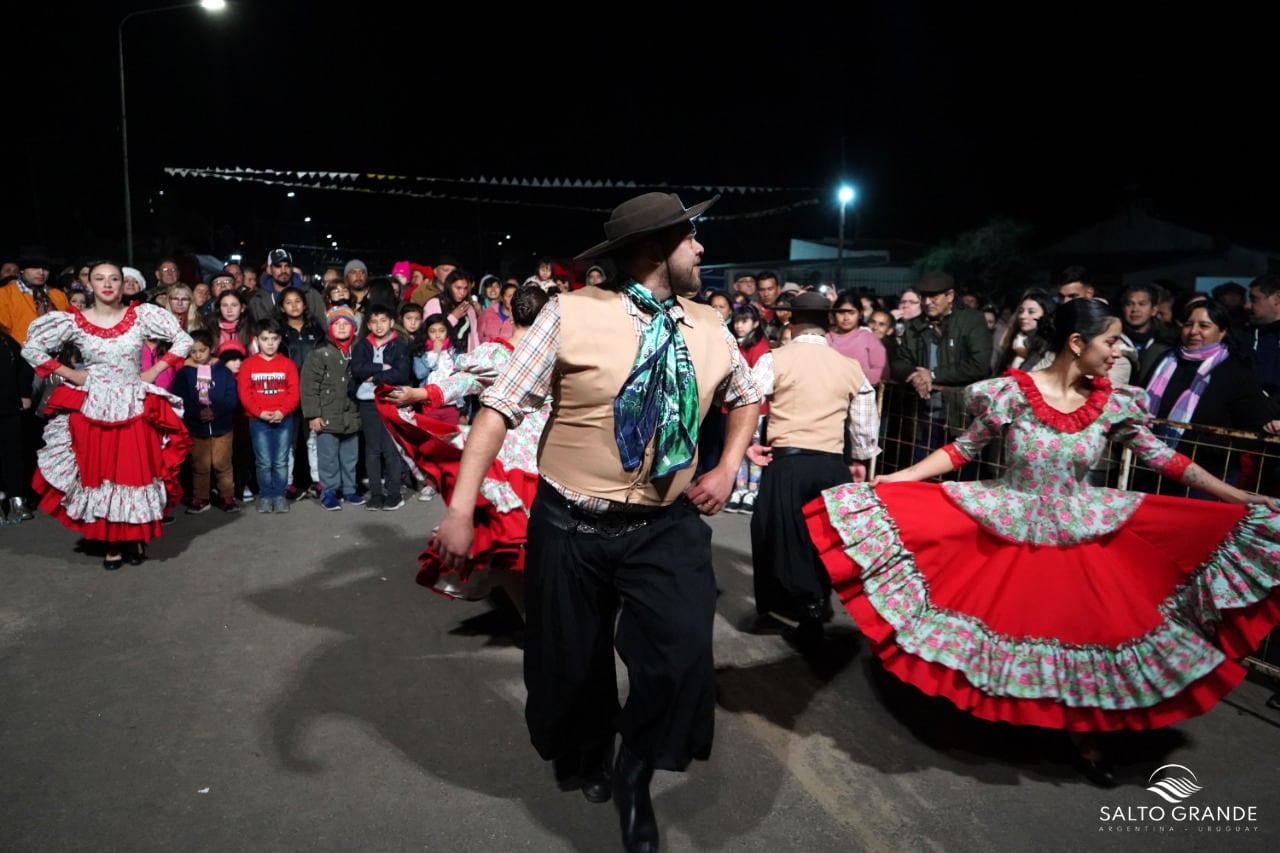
661,394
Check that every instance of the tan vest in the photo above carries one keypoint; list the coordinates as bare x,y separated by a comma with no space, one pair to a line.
596,352
813,386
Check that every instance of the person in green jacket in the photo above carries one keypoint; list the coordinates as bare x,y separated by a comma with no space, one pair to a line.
944,349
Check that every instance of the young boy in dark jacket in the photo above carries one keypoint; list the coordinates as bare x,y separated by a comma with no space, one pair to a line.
210,399
379,358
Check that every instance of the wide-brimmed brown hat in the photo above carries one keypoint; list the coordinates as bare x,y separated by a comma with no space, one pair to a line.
643,215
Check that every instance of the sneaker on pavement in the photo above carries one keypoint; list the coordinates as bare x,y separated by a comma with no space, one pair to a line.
248,494
428,492
197,506
373,503
353,498
748,502
291,492
393,503
265,505
316,491
329,500
281,504
735,502
228,505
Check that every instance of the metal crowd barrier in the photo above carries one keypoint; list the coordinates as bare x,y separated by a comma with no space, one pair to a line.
910,428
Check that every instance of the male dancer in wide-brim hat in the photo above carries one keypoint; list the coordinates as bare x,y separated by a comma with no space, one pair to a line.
819,403
616,530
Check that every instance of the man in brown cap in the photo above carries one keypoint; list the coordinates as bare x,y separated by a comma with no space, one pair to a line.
615,533
817,397
944,349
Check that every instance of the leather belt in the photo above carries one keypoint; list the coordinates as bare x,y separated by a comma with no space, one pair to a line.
559,512
781,452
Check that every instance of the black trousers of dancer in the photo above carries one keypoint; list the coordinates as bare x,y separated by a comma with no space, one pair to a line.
787,572
654,583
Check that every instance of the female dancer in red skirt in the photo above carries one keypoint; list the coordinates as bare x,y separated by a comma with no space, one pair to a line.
502,510
1037,599
113,444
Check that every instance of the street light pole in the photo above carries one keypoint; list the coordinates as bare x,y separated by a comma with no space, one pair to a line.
845,195
209,6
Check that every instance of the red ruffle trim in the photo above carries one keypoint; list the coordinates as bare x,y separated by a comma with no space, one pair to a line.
1239,634
157,415
499,538
125,324
1070,422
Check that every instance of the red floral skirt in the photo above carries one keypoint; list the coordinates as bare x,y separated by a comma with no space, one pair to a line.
110,481
499,534
1139,628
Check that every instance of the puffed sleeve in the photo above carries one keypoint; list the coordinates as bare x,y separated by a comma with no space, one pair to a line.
159,325
45,337
989,404
1128,409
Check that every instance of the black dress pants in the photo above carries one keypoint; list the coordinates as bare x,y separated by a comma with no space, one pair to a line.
651,594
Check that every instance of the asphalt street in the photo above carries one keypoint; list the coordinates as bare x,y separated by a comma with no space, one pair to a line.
280,683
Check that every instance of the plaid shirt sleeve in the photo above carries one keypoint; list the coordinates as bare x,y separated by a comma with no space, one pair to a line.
737,389
526,382
864,422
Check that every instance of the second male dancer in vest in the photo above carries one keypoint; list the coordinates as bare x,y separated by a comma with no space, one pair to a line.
615,531
818,400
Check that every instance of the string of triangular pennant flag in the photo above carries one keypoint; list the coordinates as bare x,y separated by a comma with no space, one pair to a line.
350,182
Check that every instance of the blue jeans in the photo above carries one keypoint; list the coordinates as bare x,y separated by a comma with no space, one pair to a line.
337,458
271,444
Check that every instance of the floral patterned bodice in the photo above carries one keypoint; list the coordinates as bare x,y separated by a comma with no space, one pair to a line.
1044,496
113,357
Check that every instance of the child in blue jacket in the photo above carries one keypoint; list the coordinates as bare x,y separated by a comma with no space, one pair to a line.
210,399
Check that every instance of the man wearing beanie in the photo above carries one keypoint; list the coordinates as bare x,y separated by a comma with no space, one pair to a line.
330,412
356,275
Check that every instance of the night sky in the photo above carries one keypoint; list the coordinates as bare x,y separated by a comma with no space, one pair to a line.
944,115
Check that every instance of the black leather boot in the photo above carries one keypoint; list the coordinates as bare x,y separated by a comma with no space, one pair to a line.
809,634
596,772
631,778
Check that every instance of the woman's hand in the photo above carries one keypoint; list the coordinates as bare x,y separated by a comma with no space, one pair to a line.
403,395
1269,502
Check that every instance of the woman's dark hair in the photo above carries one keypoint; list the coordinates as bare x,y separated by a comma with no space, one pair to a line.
1219,315
433,319
1087,318
382,292
447,302
1037,342
851,298
748,312
1182,303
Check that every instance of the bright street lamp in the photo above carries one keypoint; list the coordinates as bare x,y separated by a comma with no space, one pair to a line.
207,5
845,196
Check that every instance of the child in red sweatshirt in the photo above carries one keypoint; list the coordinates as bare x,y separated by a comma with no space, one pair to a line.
269,392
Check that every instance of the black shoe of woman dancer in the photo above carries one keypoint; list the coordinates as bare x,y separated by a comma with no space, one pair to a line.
1088,758
138,554
112,563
